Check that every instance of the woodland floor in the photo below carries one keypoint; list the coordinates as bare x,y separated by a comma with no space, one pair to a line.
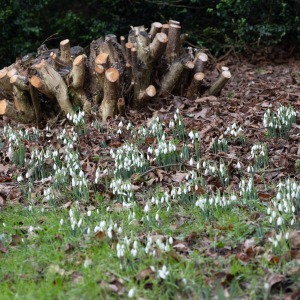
225,254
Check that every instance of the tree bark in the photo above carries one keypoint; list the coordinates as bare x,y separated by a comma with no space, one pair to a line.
155,28
171,77
78,76
65,52
108,106
41,87
217,87
20,82
55,84
193,89
172,49
200,62
8,109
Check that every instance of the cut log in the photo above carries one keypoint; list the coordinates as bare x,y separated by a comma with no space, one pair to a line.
217,87
200,62
56,61
174,22
78,76
7,109
142,43
4,81
102,59
123,48
22,103
39,85
20,82
155,28
158,46
171,77
65,52
113,55
12,72
193,89
78,72
172,49
55,84
128,47
108,106
165,29
149,93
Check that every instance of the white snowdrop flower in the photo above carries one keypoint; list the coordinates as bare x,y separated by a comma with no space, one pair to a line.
191,135
146,208
271,220
191,161
97,228
170,240
131,293
286,235
87,262
280,207
239,165
292,222
102,224
88,231
79,223
279,221
163,273
109,233
133,252
120,230
274,214
278,236
73,226
269,211
61,222
20,178
157,217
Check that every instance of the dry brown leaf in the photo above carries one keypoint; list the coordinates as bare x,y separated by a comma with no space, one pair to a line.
144,274
15,240
115,286
100,235
69,247
274,279
264,196
181,247
4,168
3,249
178,177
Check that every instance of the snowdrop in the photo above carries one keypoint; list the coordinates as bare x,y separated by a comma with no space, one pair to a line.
163,272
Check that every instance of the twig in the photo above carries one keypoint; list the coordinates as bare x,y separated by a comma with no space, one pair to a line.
160,167
268,170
